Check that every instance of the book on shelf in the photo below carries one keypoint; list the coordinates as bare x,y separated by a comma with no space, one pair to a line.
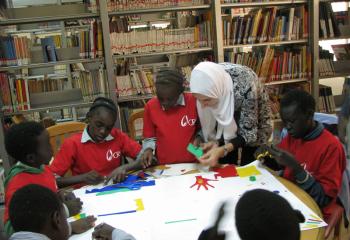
326,99
326,63
92,83
342,17
93,5
49,49
276,93
138,82
266,25
145,40
14,50
116,5
275,63
341,51
328,24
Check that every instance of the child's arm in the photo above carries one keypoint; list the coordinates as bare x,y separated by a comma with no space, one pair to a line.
90,178
119,174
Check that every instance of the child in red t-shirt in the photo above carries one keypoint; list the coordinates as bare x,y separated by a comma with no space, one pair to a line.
28,143
170,121
95,154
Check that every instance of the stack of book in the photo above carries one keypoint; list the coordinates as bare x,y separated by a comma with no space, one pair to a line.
275,64
116,5
17,98
267,25
14,50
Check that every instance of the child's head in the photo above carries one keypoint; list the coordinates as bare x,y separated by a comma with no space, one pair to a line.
297,112
169,86
29,143
101,117
34,208
264,215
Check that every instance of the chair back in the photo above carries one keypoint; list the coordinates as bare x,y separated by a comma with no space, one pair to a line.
135,125
61,131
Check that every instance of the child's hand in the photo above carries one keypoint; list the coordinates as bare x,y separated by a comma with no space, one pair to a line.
146,158
92,178
118,175
74,206
103,231
83,224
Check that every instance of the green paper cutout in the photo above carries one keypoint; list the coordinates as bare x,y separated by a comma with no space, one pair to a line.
113,191
197,151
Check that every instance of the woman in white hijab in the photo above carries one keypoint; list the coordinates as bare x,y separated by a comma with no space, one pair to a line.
234,112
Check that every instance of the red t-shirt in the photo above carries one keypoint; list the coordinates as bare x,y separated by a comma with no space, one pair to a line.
323,158
174,129
45,179
102,157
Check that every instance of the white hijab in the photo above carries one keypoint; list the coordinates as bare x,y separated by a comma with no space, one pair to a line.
211,80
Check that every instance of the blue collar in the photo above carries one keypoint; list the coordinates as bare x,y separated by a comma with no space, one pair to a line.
314,133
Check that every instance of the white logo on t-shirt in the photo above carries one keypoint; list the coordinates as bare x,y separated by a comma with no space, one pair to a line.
185,121
110,155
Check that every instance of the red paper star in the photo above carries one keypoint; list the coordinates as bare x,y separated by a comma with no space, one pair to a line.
202,182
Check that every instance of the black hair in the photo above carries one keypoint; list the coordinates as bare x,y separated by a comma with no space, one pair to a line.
21,139
303,100
264,215
31,207
170,77
105,103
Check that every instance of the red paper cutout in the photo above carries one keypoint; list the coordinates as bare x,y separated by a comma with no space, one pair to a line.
227,171
202,182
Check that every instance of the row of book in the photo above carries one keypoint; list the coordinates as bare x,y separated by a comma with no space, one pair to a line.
267,25
14,93
326,100
92,83
138,82
328,23
326,63
40,85
275,63
14,50
276,92
117,5
157,40
246,1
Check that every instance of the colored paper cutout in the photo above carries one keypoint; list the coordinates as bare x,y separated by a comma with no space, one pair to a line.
182,220
247,171
224,172
113,191
197,151
139,207
252,178
131,182
79,216
202,182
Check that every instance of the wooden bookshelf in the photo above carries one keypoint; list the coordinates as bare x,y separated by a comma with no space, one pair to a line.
286,81
135,98
46,14
49,64
301,41
163,9
261,4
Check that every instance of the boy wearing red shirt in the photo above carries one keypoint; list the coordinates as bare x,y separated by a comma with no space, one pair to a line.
312,157
170,121
96,153
28,143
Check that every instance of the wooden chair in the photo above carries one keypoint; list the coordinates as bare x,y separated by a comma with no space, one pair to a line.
61,131
131,123
334,223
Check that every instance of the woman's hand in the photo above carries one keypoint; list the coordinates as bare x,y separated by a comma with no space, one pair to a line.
208,146
147,158
211,158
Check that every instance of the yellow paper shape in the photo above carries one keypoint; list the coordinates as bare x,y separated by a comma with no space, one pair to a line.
247,171
139,204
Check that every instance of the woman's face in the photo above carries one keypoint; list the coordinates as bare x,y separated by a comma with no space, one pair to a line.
206,101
